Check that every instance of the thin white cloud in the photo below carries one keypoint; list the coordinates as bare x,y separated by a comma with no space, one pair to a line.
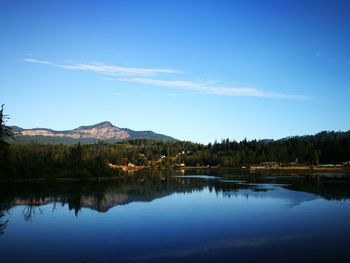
142,76
37,61
208,88
108,69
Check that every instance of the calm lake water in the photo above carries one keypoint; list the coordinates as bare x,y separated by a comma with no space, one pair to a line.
193,216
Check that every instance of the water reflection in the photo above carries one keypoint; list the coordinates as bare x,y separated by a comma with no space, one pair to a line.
2,224
169,217
217,245
148,186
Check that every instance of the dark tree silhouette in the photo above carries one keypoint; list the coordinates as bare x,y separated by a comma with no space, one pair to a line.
5,134
5,131
2,224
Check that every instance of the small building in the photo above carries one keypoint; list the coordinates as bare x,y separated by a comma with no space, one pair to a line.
130,164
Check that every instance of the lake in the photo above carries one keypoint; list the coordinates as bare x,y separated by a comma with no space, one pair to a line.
183,216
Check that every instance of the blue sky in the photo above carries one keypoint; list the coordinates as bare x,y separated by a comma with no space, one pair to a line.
195,70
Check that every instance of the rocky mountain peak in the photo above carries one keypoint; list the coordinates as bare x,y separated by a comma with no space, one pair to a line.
105,124
101,131
100,125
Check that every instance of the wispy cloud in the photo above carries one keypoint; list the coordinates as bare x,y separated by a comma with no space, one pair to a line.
108,69
151,77
209,88
44,62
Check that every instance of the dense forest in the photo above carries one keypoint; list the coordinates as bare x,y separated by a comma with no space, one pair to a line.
91,160
84,160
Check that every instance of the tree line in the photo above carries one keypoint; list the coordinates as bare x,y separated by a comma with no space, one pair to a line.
91,160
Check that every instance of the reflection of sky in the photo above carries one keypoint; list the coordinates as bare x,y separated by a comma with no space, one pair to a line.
178,225
222,244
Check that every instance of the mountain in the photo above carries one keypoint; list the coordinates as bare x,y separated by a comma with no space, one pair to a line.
104,131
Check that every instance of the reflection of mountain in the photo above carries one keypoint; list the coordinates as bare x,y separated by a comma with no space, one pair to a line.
108,201
97,196
98,203
143,187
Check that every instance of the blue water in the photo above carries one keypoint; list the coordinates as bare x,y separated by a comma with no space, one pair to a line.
187,219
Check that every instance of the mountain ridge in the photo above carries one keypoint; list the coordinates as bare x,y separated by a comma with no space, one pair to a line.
102,131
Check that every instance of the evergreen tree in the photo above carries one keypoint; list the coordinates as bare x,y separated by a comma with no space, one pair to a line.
5,134
5,131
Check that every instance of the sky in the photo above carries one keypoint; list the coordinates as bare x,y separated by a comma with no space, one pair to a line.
194,70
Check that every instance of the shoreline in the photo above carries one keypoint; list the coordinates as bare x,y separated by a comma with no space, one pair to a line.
61,180
126,168
301,169
298,170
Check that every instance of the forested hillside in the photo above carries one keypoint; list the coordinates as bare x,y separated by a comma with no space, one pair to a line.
85,160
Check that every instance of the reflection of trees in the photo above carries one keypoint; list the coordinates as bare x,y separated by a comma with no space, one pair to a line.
147,186
328,187
102,196
30,210
2,224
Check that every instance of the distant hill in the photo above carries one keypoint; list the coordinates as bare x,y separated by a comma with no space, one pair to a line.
104,131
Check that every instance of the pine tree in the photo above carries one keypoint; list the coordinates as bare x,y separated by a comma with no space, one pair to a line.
5,131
